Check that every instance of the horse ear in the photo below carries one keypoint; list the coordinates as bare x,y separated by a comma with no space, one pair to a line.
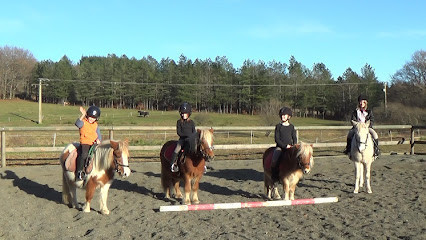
114,144
211,130
199,131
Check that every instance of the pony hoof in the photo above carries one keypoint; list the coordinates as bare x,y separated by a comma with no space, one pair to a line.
369,191
196,202
105,212
356,191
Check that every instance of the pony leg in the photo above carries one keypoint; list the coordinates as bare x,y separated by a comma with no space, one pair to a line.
357,175
66,196
187,199
291,192
165,182
286,188
195,187
69,191
276,193
178,193
103,198
90,191
361,174
367,176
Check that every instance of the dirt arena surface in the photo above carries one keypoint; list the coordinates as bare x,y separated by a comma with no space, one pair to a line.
31,205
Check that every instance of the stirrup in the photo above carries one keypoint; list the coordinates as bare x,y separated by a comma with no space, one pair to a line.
174,168
81,175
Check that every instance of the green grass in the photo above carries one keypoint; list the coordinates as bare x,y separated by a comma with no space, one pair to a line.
20,113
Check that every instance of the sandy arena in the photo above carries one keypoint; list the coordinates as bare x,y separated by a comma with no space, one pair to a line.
31,205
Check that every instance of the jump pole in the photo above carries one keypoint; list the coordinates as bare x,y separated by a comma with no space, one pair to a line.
214,206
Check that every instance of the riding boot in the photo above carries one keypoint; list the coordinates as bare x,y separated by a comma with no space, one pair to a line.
174,167
79,173
376,148
348,146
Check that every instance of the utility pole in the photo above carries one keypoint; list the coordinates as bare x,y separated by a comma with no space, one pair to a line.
40,84
386,97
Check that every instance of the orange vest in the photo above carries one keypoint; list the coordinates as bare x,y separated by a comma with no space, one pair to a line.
88,132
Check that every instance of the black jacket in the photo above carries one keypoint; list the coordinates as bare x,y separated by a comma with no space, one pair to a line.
369,116
185,128
285,135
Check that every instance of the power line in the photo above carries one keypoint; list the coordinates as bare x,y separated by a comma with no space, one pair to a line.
212,85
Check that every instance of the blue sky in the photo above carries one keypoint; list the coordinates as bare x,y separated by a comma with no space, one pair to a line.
340,34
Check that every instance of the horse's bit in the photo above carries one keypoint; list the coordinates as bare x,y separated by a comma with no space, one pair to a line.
118,163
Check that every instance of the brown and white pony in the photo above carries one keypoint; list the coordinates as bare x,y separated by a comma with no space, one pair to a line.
191,169
293,163
362,151
108,157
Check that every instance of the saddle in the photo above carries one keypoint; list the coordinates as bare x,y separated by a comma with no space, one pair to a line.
70,162
190,145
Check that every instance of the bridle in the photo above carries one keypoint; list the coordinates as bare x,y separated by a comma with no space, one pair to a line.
204,150
118,161
359,142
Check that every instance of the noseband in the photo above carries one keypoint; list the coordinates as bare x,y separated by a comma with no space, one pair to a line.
358,140
299,162
118,162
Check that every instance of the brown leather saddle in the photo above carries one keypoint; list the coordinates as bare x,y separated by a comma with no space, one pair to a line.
70,159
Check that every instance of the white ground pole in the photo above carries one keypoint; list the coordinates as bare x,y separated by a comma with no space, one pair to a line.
214,206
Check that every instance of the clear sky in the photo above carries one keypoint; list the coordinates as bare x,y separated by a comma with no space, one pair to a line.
340,33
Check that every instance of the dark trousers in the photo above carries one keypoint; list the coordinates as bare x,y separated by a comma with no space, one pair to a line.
83,153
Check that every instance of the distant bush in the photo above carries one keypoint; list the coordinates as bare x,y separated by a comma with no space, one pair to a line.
398,113
202,119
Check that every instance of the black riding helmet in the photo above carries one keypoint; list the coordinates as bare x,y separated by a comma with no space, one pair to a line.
362,97
93,112
285,110
185,108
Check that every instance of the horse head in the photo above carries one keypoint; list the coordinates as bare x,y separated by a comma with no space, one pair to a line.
121,157
206,143
361,135
305,157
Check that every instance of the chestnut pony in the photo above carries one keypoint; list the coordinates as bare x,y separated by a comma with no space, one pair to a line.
108,157
294,162
191,168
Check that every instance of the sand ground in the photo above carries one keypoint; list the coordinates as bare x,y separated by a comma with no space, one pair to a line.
31,208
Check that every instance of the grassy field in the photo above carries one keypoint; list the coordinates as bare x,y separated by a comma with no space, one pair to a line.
20,113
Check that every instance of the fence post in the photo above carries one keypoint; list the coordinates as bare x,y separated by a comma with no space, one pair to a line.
297,136
111,134
3,148
412,141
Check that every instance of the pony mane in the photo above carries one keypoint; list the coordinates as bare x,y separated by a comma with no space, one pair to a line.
305,151
206,135
103,155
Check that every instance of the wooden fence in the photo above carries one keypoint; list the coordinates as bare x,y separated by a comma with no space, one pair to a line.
112,129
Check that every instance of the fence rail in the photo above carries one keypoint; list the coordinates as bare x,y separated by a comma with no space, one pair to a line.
111,130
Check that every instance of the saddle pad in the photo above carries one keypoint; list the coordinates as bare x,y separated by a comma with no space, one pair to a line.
268,159
169,151
70,162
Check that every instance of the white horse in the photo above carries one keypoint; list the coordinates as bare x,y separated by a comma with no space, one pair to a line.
362,151
109,157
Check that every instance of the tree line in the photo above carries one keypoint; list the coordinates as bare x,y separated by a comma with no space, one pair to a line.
209,85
